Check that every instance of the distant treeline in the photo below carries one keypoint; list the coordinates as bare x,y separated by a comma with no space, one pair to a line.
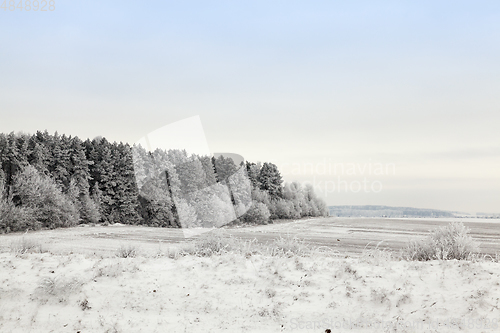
50,181
385,211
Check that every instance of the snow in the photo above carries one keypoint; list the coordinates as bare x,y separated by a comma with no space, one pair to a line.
46,292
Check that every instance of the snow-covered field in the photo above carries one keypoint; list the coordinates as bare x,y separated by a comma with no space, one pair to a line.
241,291
345,235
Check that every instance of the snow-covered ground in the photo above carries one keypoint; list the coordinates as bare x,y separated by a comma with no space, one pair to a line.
234,292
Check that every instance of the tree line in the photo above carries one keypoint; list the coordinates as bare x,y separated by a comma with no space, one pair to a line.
51,181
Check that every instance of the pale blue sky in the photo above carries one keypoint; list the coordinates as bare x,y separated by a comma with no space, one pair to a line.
414,83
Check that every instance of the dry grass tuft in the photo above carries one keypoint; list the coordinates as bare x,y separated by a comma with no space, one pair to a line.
218,242
377,255
108,269
289,246
26,245
214,243
59,288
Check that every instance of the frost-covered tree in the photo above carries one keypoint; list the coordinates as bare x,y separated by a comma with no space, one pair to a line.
51,208
270,180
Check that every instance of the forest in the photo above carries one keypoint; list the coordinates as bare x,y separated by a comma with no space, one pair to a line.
50,181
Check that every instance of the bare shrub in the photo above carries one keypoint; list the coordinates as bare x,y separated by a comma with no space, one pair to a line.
16,218
51,208
129,251
444,243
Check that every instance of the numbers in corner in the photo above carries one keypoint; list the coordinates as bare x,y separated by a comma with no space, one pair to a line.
28,5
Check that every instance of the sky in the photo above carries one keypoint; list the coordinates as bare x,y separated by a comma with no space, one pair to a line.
373,102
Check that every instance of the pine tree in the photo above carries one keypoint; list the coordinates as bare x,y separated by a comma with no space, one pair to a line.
151,170
125,191
241,190
2,183
208,168
156,203
12,160
253,171
80,176
60,166
103,173
224,167
191,175
270,180
39,153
